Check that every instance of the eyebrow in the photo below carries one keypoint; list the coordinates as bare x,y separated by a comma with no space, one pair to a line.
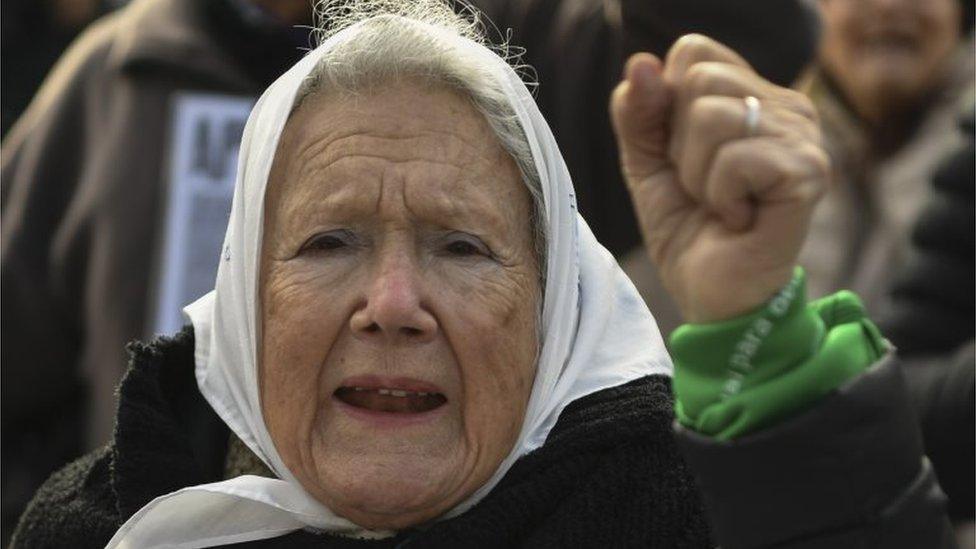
346,204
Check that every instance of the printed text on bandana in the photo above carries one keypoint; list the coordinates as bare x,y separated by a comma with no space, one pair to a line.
741,360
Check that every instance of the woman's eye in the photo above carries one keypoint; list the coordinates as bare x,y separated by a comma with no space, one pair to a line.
329,242
464,247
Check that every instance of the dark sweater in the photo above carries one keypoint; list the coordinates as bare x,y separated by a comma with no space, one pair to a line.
609,474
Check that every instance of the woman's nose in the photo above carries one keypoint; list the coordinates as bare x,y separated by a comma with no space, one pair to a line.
395,310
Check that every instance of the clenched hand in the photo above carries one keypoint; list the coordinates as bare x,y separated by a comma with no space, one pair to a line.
723,196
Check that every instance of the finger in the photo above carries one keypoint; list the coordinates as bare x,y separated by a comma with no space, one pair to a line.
722,79
780,176
640,109
712,121
715,78
696,48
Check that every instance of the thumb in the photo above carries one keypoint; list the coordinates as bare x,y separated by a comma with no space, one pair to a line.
640,109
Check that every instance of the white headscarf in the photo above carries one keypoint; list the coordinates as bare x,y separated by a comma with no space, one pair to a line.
596,333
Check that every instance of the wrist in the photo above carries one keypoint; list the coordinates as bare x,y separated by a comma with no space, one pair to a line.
715,303
723,354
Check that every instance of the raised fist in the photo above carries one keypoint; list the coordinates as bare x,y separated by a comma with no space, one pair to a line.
724,169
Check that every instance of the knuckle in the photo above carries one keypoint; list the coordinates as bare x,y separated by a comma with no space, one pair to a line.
729,157
817,159
802,104
716,189
707,113
701,79
692,46
817,136
810,130
783,159
692,41
796,126
811,190
810,172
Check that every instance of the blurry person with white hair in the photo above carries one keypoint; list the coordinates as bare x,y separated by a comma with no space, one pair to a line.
414,339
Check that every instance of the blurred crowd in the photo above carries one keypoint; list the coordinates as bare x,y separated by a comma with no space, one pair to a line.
121,125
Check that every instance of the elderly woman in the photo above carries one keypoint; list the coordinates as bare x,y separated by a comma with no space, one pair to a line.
414,340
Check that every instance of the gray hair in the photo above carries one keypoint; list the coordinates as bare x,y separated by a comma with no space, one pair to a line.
391,46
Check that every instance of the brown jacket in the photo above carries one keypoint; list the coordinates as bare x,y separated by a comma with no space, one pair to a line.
84,183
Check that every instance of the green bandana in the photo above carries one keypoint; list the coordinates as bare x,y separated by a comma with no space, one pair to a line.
736,377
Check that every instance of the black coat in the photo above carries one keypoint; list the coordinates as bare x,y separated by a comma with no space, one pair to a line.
848,472
609,474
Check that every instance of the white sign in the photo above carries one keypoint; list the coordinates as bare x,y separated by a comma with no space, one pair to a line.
206,136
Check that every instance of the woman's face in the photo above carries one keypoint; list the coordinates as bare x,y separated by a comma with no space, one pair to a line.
886,54
399,297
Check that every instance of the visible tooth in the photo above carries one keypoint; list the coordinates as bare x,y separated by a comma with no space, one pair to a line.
383,391
358,389
422,394
398,393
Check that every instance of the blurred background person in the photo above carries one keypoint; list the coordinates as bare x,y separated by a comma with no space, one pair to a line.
889,83
133,135
932,320
894,84
116,182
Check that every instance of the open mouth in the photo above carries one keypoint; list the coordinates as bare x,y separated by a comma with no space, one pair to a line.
389,400
892,40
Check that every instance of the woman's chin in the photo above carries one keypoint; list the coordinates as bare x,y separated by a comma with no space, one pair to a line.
392,509
393,498
389,519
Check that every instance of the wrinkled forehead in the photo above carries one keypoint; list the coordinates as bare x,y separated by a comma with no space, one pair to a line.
412,110
341,151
